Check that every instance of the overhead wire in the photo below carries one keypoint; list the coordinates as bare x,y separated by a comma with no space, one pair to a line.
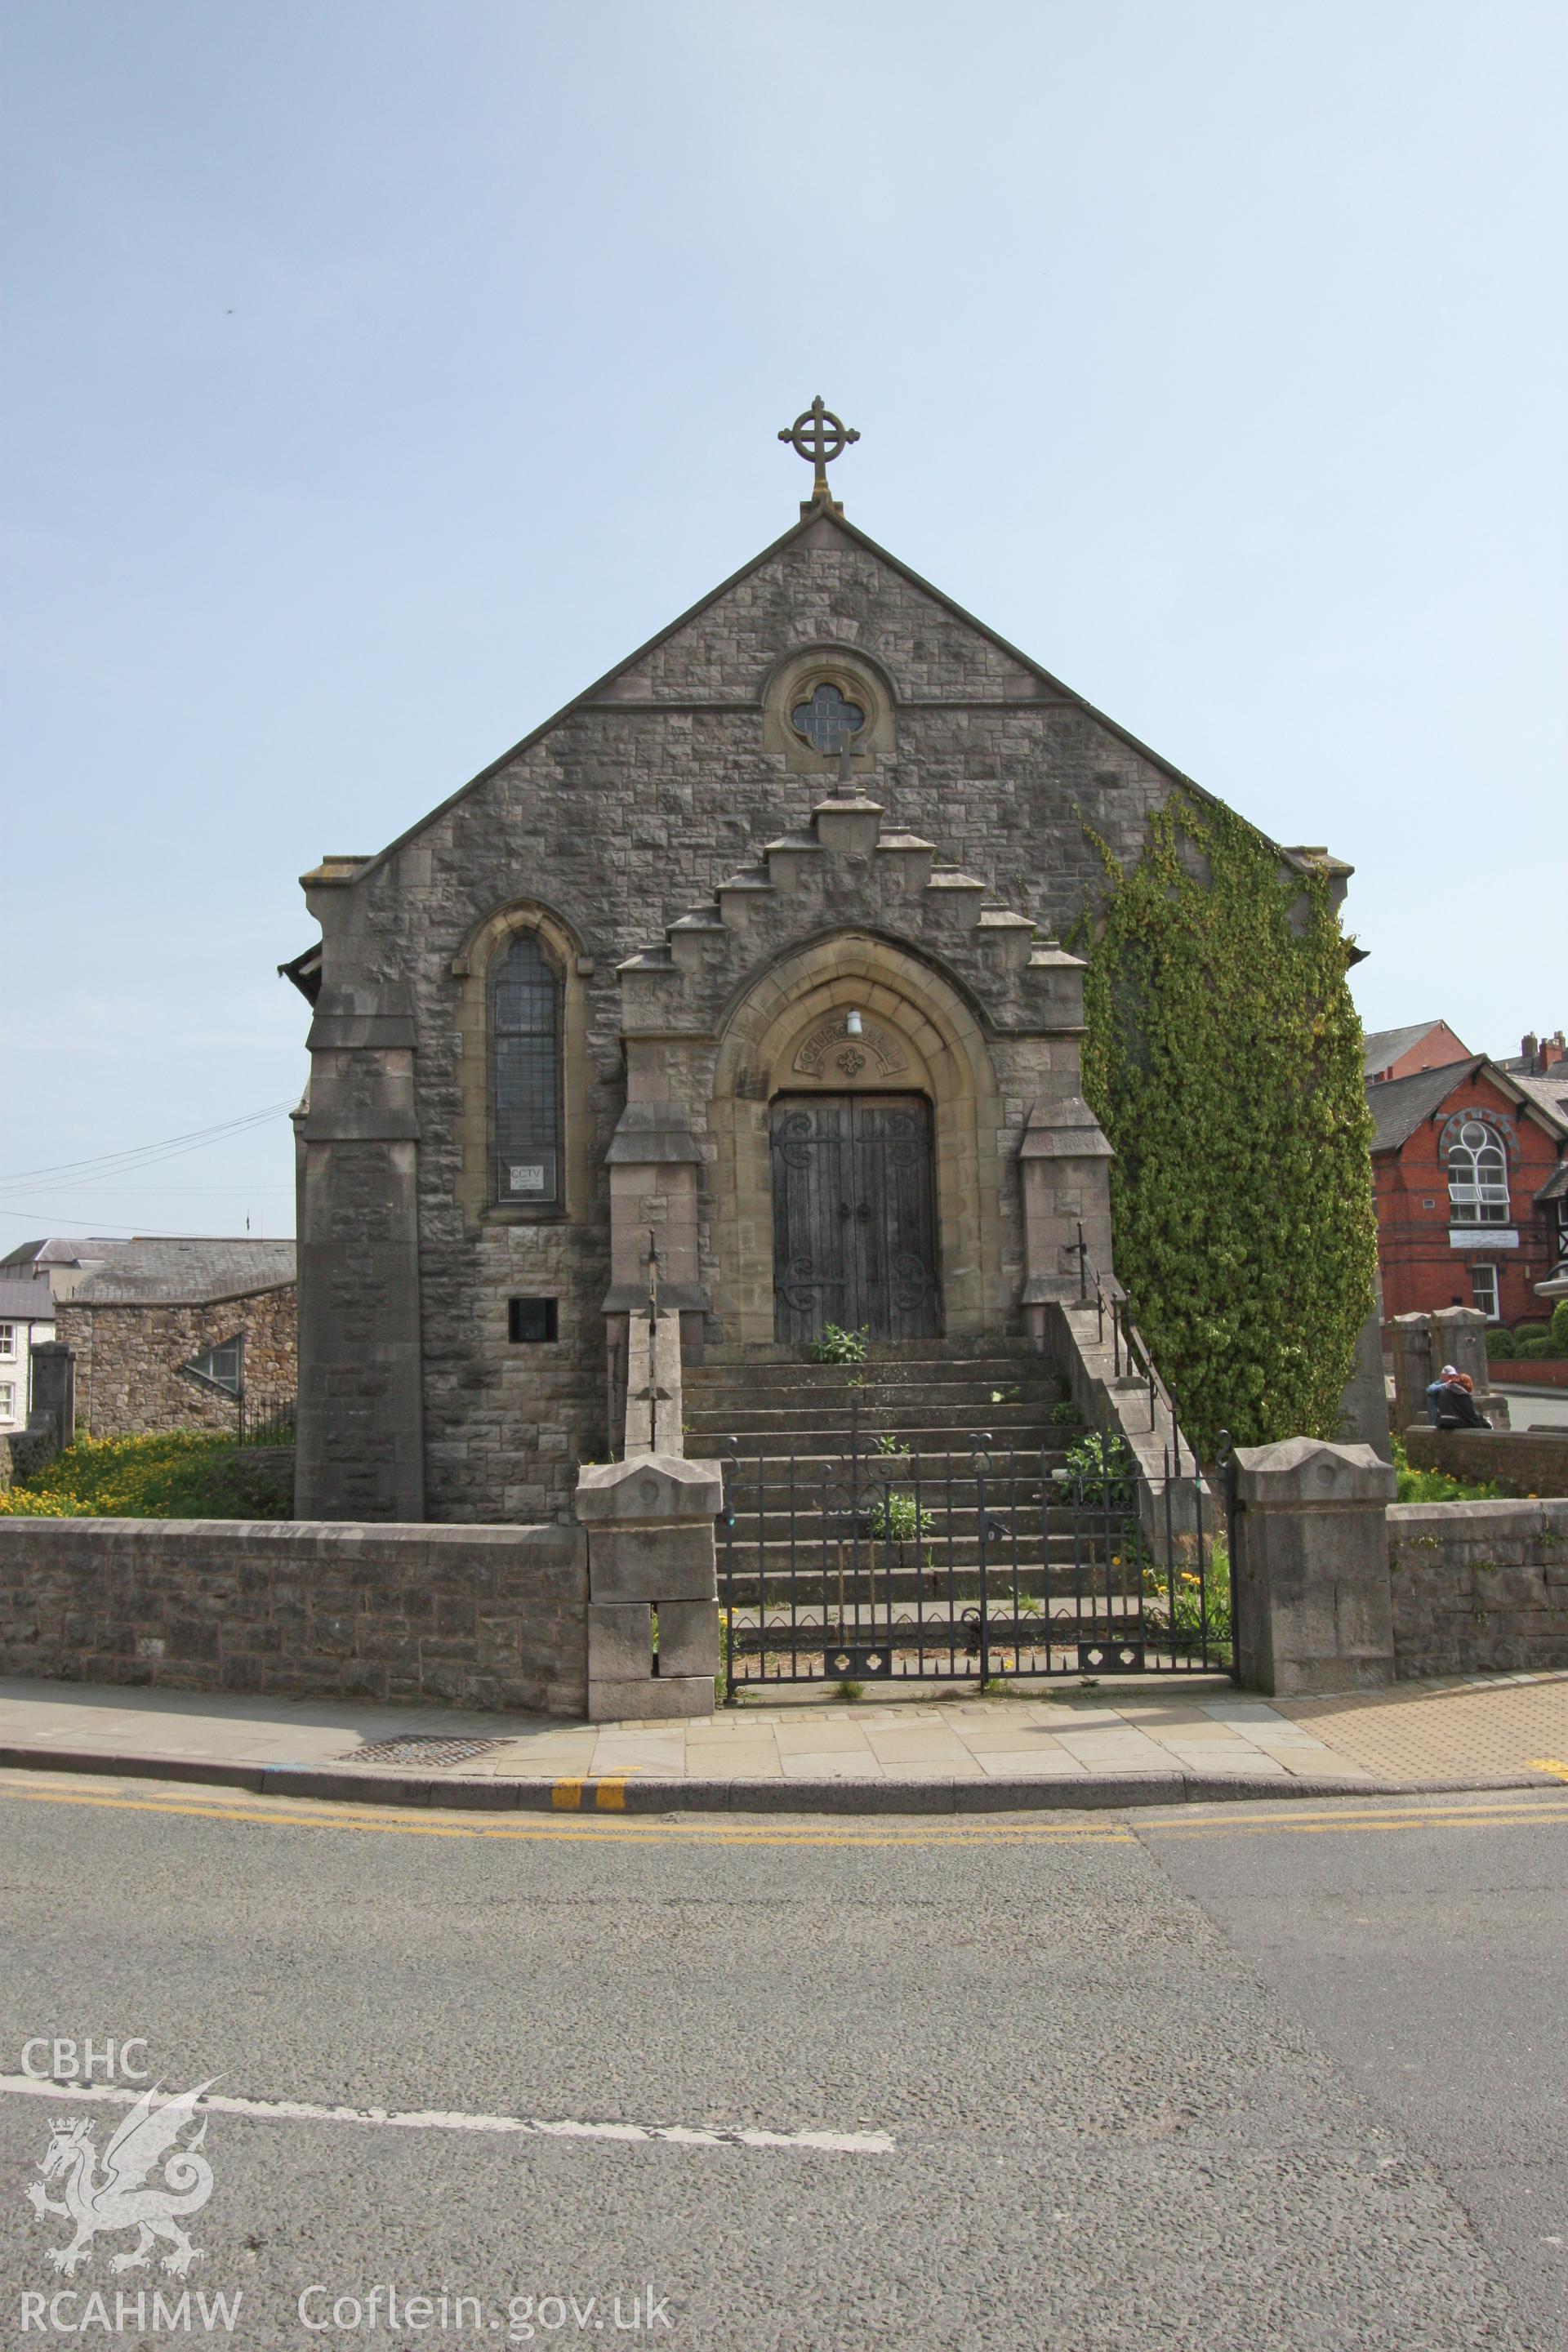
131,1162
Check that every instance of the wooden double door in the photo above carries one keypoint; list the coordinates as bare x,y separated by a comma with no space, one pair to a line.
854,1217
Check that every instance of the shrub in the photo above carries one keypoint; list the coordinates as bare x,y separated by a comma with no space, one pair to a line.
1535,1351
899,1519
1500,1342
1560,1326
1099,1469
1531,1331
1437,1486
1192,1604
836,1347
175,1473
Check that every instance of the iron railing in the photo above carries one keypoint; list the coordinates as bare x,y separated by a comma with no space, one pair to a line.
267,1424
974,1562
1130,1350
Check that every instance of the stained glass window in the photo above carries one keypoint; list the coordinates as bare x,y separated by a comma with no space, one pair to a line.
525,1062
827,721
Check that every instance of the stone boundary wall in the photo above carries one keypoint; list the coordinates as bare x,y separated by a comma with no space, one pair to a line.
1524,1462
27,1451
479,1617
129,1353
1479,1586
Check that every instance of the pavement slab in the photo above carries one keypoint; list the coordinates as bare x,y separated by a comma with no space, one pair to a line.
1502,1729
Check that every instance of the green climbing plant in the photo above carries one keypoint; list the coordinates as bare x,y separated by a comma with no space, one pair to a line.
1223,1059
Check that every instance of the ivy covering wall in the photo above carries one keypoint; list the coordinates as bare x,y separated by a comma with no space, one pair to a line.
1224,1061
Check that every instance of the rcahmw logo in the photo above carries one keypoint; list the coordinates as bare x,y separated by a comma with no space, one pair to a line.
151,2176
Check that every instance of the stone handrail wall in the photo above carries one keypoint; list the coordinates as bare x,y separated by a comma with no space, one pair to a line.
1119,1406
1524,1462
1479,1587
475,1616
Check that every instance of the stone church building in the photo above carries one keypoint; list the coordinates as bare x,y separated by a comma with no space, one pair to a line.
752,952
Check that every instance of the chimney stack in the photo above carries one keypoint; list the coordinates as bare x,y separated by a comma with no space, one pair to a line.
1555,1051
1528,1045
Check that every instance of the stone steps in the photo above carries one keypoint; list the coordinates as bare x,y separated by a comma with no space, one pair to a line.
986,1349
932,1427
946,1477
954,1387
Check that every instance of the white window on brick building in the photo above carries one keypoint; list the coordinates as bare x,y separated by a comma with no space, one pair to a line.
8,1343
1478,1177
1484,1292
7,1400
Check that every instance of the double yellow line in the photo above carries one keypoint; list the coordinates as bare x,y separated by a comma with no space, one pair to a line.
1282,1817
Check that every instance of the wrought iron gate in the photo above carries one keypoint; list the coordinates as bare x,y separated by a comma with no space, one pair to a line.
877,1567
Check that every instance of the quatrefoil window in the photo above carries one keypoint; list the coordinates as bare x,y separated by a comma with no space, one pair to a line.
827,721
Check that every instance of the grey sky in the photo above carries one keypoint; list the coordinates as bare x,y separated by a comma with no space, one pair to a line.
378,374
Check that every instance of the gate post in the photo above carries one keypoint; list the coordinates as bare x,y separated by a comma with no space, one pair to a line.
651,1555
1310,1589
53,1388
1414,1367
1459,1337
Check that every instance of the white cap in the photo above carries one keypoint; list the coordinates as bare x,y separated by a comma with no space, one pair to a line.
1449,1372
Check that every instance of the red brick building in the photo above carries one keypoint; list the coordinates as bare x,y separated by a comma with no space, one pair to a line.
1423,1045
1471,1179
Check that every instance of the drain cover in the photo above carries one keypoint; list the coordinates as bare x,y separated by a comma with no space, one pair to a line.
421,1748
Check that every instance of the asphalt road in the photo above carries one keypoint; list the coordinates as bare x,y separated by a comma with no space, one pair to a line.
1284,2076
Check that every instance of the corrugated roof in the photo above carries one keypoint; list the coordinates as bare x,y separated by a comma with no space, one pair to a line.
187,1272
1399,1104
25,1302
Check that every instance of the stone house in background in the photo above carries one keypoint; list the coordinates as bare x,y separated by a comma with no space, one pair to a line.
64,1264
26,1316
1470,1184
752,952
172,1334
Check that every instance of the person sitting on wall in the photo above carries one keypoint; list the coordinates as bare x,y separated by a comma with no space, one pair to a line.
1449,1401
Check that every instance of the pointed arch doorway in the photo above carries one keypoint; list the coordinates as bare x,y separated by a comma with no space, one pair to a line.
854,1217
783,1043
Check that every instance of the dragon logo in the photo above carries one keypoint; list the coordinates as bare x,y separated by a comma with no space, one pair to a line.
122,2197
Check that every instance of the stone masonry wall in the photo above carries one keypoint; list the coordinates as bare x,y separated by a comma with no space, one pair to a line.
482,1617
1526,1462
628,811
1479,1587
128,1359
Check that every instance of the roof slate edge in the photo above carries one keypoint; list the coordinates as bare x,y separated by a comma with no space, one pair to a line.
85,1295
1457,1073
796,530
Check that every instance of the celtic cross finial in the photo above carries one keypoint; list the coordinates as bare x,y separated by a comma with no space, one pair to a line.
819,437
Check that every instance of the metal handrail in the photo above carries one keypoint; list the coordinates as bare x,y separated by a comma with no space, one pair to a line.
1126,1337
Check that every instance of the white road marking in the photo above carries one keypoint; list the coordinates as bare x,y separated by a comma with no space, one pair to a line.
300,2111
